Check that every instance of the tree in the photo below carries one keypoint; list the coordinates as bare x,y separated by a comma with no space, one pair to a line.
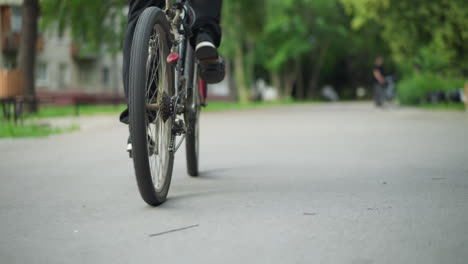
27,50
302,44
301,40
285,41
94,23
242,23
430,35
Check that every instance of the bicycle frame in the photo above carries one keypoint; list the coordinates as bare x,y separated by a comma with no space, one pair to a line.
178,14
165,117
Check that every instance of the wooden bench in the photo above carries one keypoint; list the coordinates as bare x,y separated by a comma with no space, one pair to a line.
78,99
11,93
96,99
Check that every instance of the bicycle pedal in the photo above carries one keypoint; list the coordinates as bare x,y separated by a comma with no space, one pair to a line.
129,150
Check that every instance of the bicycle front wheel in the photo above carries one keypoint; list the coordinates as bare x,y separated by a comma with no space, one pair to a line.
151,86
192,119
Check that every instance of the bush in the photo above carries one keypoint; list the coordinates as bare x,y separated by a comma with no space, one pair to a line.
413,90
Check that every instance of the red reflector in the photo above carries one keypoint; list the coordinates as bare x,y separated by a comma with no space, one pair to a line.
173,57
202,85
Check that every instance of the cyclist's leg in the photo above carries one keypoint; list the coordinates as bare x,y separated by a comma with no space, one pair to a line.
208,19
208,14
206,39
136,7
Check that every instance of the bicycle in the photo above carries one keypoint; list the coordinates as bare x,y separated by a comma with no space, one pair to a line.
164,86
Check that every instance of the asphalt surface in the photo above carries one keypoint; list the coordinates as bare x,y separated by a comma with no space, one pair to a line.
339,183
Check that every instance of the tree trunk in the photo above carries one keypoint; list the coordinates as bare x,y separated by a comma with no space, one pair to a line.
239,66
250,66
290,78
300,93
239,72
230,80
27,51
288,81
313,81
276,83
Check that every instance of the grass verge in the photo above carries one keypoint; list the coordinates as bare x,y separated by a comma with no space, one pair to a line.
32,130
225,106
442,106
86,110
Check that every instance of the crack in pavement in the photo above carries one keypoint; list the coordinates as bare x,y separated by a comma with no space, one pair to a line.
172,230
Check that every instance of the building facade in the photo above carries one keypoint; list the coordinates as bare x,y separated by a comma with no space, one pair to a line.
62,66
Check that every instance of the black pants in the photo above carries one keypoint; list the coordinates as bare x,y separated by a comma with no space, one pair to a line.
208,15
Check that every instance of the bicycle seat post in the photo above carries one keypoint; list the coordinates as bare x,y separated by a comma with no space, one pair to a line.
168,4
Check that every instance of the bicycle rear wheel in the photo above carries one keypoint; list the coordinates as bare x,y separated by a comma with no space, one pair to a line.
151,83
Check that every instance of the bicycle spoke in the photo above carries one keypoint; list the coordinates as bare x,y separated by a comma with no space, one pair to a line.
154,72
153,67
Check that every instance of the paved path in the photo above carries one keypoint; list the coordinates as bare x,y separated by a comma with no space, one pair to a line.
342,183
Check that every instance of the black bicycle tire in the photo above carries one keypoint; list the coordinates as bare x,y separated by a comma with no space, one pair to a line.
148,20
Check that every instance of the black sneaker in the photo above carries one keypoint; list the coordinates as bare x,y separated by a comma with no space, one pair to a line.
211,66
205,48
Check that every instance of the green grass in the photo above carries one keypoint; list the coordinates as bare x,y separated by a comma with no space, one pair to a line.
32,129
85,110
10,130
442,106
225,106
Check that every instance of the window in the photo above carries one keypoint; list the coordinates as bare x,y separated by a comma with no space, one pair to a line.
62,78
41,74
105,76
16,19
86,74
9,63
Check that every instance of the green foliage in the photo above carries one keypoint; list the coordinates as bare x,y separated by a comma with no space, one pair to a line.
91,22
297,41
298,29
444,106
429,34
285,36
413,90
